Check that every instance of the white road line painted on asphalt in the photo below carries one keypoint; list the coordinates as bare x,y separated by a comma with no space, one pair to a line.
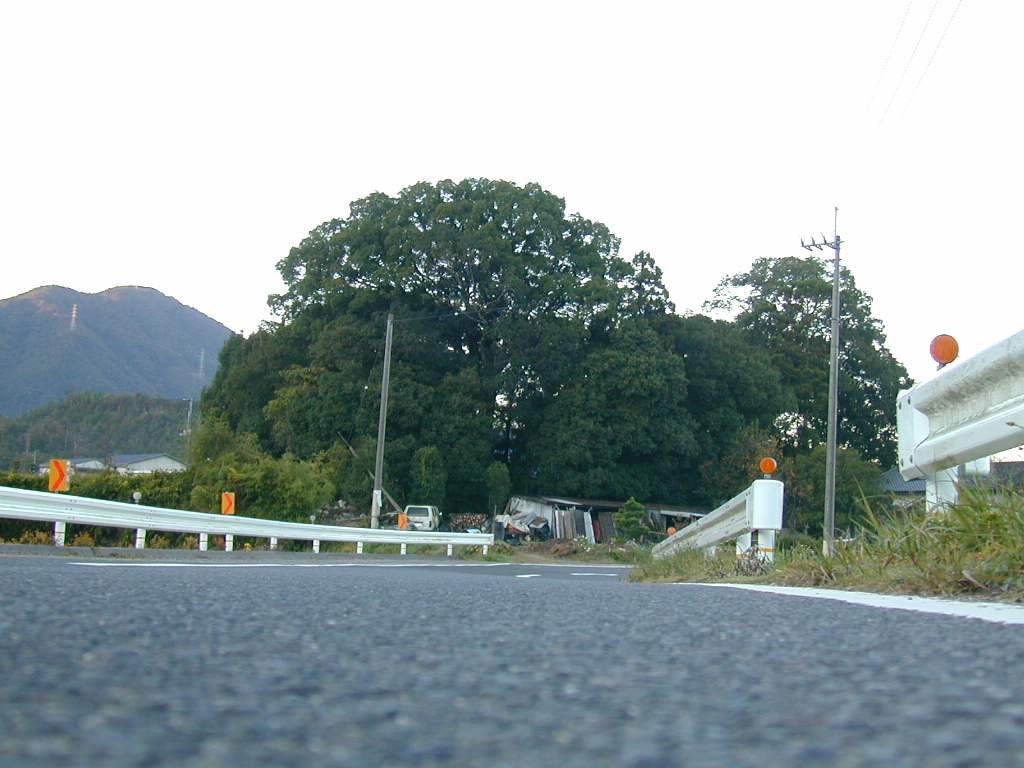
1003,613
294,565
138,564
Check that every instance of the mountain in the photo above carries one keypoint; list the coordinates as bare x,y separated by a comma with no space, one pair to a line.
54,341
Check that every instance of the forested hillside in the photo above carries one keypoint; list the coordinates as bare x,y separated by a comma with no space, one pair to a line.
94,425
55,341
528,354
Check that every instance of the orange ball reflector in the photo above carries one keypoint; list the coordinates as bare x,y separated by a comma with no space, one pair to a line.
944,349
670,531
768,465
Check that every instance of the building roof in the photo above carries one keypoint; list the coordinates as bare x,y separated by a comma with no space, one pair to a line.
135,458
893,482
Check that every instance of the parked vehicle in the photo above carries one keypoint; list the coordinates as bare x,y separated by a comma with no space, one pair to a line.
422,517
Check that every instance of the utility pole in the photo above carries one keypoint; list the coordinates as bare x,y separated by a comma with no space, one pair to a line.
378,467
829,543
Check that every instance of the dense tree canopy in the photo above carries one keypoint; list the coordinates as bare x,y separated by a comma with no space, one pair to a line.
785,305
529,356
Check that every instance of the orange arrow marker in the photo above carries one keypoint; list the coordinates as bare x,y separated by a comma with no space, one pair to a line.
58,475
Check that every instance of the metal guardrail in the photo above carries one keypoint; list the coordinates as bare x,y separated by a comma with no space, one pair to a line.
969,412
757,510
61,509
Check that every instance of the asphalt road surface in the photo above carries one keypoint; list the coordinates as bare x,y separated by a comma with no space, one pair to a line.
146,663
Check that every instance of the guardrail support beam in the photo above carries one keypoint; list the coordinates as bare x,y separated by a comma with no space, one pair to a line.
59,510
757,510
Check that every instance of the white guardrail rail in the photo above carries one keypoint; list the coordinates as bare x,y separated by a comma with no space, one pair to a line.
752,518
61,509
964,414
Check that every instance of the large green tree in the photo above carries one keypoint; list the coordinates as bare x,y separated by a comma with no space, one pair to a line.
732,386
498,295
522,275
621,427
521,341
785,305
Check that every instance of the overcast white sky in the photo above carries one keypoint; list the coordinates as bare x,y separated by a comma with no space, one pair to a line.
187,146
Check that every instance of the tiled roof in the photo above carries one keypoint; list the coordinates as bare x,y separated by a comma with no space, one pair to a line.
893,482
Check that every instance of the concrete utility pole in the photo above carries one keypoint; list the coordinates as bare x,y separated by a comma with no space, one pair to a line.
378,467
833,395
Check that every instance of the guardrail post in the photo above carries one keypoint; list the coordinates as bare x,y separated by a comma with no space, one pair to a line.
940,489
403,547
485,549
742,545
761,540
204,542
316,546
229,542
359,547
766,544
273,542
58,534
449,550
140,538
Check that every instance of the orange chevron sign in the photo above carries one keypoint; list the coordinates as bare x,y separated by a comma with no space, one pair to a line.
227,503
58,478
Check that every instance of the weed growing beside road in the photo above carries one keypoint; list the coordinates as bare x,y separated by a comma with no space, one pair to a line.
974,549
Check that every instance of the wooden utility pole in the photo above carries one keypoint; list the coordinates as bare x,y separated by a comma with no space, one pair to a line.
378,467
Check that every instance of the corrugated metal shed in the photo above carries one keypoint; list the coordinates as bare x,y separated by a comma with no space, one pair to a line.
593,518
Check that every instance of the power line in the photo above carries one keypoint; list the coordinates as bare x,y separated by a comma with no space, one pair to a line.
909,62
887,58
937,45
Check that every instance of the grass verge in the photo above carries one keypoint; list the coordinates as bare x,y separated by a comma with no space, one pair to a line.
975,549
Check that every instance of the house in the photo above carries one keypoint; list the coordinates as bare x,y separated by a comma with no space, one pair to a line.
1000,474
593,518
144,463
903,492
123,464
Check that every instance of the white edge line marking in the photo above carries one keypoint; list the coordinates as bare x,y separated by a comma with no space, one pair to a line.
1003,613
291,565
136,564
